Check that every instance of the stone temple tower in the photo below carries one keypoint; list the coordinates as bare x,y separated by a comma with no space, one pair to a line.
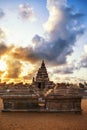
42,79
42,74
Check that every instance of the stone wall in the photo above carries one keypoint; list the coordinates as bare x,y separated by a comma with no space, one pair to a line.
64,104
49,104
19,103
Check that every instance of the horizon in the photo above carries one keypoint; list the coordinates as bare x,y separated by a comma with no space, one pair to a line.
52,30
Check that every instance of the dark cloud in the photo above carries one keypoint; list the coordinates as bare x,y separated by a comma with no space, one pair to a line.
61,31
1,13
61,34
64,70
3,48
38,40
25,54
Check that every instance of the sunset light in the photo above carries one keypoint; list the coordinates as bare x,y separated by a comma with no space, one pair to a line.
2,66
53,30
43,64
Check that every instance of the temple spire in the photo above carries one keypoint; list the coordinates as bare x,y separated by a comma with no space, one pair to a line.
43,64
42,73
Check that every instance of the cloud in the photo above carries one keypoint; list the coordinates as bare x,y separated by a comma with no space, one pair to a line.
74,79
68,69
26,12
83,61
1,13
1,72
14,58
61,31
30,75
38,40
24,54
13,68
3,48
2,34
85,48
57,3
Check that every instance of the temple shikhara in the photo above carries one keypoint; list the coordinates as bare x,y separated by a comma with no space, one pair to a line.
41,96
42,80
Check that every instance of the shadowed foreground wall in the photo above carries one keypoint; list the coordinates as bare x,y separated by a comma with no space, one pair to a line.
52,103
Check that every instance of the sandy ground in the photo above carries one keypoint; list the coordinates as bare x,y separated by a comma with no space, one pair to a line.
43,121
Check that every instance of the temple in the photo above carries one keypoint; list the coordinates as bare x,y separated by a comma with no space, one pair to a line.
42,96
42,80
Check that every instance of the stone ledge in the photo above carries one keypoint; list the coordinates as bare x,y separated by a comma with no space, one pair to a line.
43,111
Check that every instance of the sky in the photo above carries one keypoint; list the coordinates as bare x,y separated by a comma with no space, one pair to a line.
53,30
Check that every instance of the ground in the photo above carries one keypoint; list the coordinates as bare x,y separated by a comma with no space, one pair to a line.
44,121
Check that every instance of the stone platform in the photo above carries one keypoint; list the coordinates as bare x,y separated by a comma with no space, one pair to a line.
50,103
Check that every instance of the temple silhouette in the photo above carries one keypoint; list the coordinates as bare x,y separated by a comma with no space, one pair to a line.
42,96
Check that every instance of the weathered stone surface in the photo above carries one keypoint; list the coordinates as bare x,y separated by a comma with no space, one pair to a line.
64,103
55,104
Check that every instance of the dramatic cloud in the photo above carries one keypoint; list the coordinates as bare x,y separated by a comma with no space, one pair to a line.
38,40
26,12
64,70
3,48
1,13
24,54
13,68
14,58
62,29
